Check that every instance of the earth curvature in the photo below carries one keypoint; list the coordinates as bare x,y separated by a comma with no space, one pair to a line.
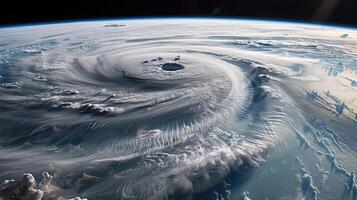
178,109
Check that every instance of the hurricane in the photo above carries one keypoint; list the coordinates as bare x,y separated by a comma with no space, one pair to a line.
178,109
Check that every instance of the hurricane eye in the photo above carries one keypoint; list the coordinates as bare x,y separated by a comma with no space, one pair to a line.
172,67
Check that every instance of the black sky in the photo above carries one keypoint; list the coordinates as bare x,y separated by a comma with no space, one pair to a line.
342,12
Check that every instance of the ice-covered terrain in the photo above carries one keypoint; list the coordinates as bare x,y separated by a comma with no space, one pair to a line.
178,109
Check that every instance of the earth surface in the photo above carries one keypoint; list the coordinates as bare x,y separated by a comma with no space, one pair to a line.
178,109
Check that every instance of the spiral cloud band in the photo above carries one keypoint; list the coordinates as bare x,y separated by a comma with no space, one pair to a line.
158,109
